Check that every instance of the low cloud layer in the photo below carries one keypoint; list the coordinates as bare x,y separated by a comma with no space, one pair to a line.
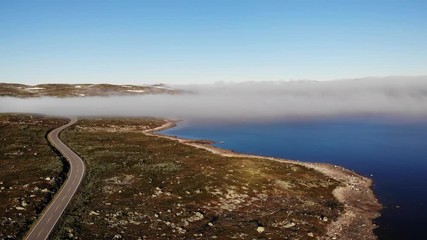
401,96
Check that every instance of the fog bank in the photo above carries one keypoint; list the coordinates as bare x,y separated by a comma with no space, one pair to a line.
250,101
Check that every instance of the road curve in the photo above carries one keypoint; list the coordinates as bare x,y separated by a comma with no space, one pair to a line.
50,216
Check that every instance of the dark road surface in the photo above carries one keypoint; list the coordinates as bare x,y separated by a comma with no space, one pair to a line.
50,216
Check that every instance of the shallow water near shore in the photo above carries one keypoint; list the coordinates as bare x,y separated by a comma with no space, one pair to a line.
392,152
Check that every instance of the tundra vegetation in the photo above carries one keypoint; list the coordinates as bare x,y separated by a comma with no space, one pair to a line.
148,187
30,171
140,186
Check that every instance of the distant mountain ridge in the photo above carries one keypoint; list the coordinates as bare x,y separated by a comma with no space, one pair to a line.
81,90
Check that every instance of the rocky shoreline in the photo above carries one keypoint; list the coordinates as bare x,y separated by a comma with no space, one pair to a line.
361,206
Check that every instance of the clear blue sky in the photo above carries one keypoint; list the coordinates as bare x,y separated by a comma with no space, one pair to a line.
179,41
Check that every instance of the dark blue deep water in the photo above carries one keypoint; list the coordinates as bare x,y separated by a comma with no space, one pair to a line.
392,152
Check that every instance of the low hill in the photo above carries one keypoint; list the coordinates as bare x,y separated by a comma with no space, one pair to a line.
80,90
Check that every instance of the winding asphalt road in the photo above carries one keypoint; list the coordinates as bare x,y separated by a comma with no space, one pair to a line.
50,216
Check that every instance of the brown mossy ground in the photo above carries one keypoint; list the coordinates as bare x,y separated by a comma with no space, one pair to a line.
26,164
140,186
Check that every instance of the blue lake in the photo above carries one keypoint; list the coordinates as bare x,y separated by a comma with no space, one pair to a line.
392,152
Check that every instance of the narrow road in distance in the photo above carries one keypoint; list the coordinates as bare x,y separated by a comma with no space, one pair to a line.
51,214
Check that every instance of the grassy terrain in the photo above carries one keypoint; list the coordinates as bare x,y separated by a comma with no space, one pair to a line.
30,172
79,90
147,187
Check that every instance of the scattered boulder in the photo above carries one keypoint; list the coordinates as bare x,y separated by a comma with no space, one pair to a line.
94,213
196,217
117,236
289,225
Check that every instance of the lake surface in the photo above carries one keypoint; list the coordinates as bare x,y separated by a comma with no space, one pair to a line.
392,152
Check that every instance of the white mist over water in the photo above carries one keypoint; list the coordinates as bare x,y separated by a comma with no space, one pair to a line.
250,101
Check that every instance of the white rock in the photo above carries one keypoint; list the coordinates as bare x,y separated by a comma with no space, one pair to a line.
199,215
20,208
94,213
289,225
260,229
117,236
181,230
